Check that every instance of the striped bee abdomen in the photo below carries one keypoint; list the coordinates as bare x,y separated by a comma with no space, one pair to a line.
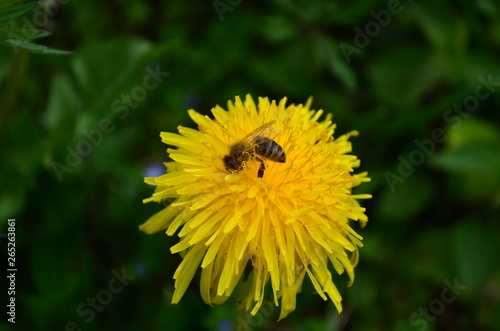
269,149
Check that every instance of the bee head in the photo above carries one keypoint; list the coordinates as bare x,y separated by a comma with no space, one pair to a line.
231,164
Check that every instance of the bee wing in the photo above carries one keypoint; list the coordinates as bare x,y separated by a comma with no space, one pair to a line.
265,130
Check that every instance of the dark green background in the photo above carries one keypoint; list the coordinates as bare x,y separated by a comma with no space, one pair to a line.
437,223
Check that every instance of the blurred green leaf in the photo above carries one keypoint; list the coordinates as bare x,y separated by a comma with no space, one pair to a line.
431,253
474,253
104,71
401,78
11,202
403,204
471,131
64,106
279,76
10,10
482,159
335,62
471,157
5,5
35,48
8,33
277,28
474,170
443,26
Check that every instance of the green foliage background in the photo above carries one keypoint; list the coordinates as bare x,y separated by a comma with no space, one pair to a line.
428,224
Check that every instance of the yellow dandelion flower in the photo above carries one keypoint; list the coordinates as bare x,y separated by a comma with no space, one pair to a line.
265,185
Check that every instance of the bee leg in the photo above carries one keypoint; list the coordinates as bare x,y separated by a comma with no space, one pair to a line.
262,167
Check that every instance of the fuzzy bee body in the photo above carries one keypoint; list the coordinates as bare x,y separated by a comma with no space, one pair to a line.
269,149
256,145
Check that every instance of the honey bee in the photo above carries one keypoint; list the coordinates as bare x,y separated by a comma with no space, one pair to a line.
256,145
